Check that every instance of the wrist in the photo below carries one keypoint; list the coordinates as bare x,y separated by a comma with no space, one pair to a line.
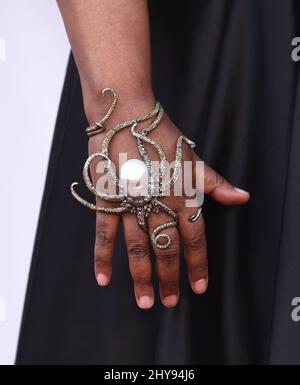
131,102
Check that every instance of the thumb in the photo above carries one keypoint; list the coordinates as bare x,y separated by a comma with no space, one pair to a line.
220,189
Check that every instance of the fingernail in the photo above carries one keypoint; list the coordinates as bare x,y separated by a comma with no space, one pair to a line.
102,279
145,302
239,190
200,286
170,300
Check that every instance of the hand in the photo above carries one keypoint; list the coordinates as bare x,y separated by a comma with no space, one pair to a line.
137,240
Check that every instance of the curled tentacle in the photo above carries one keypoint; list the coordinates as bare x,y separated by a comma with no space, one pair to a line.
152,189
178,158
91,206
88,182
93,190
145,139
145,131
158,147
194,217
144,153
114,130
99,126
165,209
156,237
111,108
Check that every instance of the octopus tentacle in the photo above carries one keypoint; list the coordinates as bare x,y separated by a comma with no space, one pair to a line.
88,182
162,170
91,206
156,237
114,130
157,147
112,107
194,217
146,130
145,155
99,126
178,158
163,207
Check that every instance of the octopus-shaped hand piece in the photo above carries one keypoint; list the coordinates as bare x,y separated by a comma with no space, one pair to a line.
150,202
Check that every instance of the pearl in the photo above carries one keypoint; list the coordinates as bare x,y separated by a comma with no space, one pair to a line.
134,175
133,169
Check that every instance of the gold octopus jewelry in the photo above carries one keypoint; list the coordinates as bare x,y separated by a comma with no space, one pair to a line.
142,206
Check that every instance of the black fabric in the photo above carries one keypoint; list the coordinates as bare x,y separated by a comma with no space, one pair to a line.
223,71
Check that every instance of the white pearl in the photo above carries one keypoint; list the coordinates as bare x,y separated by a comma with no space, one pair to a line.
134,174
133,169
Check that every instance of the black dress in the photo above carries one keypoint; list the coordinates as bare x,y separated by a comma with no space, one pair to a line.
223,71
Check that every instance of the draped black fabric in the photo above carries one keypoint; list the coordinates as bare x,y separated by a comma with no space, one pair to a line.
223,71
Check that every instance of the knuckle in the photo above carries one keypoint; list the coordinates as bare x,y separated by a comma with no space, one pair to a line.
197,240
167,256
199,268
101,261
219,180
142,281
214,180
136,250
170,286
103,237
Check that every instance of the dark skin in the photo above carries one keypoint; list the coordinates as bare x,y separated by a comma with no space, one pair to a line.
111,45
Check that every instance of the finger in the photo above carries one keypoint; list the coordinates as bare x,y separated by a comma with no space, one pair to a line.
137,243
106,224
218,187
194,242
167,260
106,235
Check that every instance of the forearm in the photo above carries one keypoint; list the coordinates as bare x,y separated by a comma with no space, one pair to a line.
111,45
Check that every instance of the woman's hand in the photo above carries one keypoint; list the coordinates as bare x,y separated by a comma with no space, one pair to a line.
110,40
192,234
